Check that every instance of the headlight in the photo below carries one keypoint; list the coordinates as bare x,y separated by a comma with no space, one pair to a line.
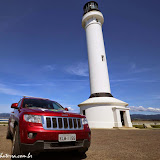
84,121
32,118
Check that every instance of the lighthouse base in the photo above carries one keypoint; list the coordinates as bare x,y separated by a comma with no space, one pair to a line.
106,112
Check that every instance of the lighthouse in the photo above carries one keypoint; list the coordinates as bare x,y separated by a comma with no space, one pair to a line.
102,110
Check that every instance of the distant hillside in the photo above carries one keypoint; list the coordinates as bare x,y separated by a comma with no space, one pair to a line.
145,117
4,115
133,116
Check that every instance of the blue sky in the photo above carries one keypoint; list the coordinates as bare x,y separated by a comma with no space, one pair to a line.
43,52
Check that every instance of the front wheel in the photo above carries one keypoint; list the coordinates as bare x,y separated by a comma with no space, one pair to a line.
16,150
81,153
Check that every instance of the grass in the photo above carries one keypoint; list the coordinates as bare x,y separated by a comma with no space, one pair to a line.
142,127
3,122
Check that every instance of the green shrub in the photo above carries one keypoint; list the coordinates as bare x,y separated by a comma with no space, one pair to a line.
155,126
138,126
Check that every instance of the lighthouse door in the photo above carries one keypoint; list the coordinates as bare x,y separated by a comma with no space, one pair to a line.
122,117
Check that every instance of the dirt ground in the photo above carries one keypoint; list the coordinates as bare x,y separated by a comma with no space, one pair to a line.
110,144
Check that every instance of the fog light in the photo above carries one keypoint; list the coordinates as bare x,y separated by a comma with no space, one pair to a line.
31,135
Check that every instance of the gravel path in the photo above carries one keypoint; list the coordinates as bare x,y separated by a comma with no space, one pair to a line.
107,144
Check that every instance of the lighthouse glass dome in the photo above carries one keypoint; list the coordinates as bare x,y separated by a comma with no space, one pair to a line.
92,5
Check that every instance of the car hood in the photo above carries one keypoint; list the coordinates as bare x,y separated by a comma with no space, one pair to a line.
51,112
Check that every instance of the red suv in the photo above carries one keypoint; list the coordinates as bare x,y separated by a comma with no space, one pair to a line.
38,125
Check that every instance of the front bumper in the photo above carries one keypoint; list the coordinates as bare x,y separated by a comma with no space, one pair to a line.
42,146
48,135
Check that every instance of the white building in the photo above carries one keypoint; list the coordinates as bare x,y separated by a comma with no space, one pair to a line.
101,109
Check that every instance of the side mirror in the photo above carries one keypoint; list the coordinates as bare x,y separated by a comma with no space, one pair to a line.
66,109
14,105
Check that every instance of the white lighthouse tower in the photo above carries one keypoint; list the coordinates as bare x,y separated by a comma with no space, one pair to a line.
101,109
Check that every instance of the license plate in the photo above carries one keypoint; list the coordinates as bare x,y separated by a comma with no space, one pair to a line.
66,137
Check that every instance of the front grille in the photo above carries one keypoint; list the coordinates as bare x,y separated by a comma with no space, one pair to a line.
65,123
54,121
70,123
62,123
48,122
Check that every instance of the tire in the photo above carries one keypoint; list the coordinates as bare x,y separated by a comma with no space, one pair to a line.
9,135
81,152
16,150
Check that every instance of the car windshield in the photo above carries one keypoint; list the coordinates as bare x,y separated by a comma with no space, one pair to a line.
41,103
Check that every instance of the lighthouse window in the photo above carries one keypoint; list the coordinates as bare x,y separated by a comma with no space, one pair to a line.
84,112
102,57
93,5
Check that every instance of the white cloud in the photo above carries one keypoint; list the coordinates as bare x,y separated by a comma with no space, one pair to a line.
29,84
80,69
133,66
35,84
156,97
9,91
142,109
135,69
140,70
135,80
49,67
124,80
74,110
70,108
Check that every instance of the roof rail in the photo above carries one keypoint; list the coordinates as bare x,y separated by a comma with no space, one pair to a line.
34,97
